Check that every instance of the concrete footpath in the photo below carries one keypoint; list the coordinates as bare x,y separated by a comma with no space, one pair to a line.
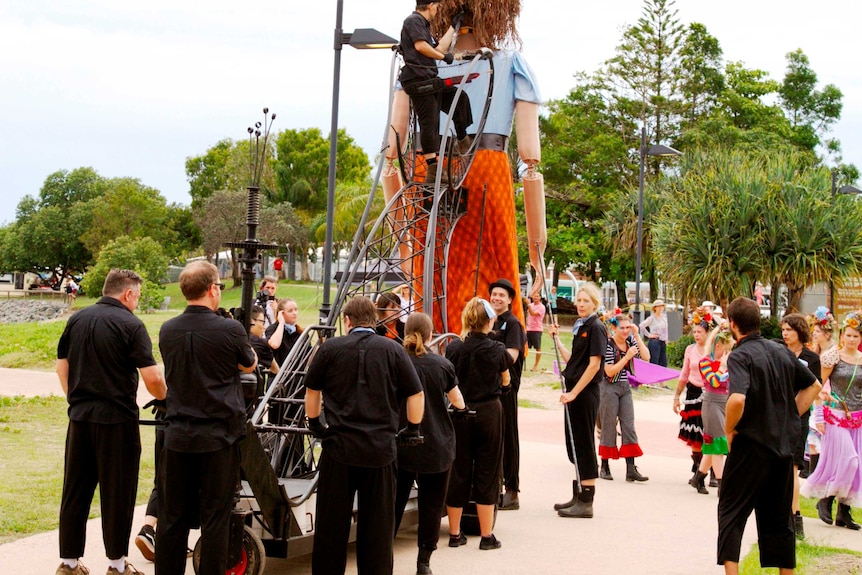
661,526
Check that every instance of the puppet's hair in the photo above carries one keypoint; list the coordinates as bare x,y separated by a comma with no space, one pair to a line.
494,22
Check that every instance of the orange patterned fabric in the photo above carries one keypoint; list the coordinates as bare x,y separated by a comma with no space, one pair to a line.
498,257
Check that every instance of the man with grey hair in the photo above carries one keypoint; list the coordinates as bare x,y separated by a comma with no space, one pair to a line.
99,356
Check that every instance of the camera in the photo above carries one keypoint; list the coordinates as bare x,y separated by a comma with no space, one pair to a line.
263,297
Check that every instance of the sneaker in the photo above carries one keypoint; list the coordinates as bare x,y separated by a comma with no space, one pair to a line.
64,569
489,542
129,570
146,542
457,540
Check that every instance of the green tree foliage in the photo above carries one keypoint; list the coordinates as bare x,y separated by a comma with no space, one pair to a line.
142,255
809,110
701,75
129,208
208,173
739,218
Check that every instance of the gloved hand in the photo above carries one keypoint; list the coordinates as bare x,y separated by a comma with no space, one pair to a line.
465,413
448,57
410,435
317,428
160,407
506,389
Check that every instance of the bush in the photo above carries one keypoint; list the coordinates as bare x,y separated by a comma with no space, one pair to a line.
676,350
770,328
143,255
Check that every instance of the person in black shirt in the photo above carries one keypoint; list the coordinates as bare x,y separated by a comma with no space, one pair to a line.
265,358
388,316
199,467
583,375
428,464
795,333
482,366
420,53
363,377
769,388
282,334
99,355
509,331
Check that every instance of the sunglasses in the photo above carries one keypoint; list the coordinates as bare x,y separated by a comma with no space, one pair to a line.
221,286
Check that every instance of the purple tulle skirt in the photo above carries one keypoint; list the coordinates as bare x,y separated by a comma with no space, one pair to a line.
839,471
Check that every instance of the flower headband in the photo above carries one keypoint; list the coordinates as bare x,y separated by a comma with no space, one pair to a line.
822,317
853,320
703,318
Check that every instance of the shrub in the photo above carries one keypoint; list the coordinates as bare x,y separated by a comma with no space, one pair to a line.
770,328
143,255
676,350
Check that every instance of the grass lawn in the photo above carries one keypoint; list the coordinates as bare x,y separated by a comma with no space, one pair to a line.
34,345
810,560
32,441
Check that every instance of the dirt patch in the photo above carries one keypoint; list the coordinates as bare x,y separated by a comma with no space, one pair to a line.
840,564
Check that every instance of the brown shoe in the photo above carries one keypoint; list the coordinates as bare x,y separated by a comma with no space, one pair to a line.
64,569
129,570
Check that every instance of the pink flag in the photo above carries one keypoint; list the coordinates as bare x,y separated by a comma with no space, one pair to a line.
650,374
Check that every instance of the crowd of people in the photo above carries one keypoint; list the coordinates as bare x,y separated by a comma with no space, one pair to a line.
445,423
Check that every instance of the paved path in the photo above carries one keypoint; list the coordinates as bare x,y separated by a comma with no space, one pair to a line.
658,527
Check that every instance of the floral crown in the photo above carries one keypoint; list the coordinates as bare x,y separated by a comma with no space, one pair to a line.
703,318
822,317
613,321
853,320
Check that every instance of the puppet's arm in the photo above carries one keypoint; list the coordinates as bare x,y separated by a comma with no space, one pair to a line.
530,152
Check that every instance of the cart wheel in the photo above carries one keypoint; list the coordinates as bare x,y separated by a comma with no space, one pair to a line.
252,560
470,520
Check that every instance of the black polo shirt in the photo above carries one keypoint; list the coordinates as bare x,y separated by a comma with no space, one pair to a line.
436,455
363,378
769,376
263,351
205,406
509,331
591,340
479,361
105,344
416,66
287,341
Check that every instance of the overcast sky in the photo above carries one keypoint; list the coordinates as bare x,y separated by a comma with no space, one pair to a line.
134,87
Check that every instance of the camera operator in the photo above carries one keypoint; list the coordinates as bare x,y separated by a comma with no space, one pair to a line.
266,299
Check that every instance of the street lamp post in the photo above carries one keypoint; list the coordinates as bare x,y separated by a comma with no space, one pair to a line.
361,38
654,150
843,190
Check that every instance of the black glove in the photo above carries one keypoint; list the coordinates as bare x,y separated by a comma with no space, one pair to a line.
506,389
317,428
448,57
158,405
465,413
410,435
457,19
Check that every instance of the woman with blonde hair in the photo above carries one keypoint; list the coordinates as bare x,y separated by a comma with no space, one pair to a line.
482,366
428,463
582,377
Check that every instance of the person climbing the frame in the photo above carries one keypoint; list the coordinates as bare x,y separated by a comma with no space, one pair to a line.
418,76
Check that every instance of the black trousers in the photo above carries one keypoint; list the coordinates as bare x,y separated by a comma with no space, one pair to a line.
375,524
511,441
432,496
580,429
107,455
478,456
757,479
427,108
153,502
657,352
195,488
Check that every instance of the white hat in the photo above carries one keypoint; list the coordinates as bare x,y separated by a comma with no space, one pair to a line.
707,303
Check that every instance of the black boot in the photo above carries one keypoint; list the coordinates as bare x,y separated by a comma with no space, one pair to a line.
570,502
844,519
713,482
423,562
632,473
696,456
697,482
583,507
605,471
824,509
798,527
812,463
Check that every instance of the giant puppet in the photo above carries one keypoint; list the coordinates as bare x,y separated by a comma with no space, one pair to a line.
489,224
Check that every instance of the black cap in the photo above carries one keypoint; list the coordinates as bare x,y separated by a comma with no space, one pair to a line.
505,284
